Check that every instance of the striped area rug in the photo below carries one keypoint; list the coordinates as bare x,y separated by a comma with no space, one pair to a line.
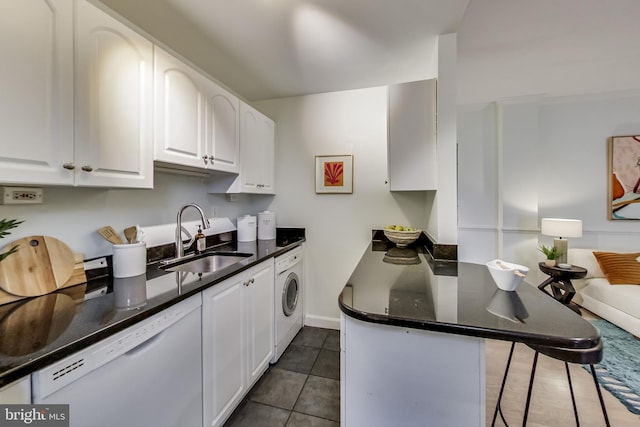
618,371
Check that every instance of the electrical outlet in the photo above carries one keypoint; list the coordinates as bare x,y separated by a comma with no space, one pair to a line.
21,195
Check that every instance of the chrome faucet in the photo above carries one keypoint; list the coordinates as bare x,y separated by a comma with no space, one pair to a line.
180,247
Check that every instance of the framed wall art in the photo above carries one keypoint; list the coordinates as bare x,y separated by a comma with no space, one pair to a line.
334,174
624,177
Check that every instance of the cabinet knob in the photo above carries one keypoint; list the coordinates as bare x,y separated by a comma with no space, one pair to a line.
87,168
69,166
206,159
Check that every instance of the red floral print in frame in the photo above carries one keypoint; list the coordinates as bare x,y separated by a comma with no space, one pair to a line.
334,174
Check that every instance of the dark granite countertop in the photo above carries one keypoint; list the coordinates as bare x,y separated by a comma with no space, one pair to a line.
39,331
405,287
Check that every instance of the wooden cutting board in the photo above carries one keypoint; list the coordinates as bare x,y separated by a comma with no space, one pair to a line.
41,265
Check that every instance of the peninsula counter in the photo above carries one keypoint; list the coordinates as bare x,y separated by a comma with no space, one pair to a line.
413,337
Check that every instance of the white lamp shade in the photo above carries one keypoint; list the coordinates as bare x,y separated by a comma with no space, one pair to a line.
560,227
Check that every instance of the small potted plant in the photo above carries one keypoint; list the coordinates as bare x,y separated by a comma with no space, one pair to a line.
552,254
5,226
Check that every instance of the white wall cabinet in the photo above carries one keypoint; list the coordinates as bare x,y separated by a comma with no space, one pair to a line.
412,136
196,120
114,102
110,145
36,107
257,156
237,338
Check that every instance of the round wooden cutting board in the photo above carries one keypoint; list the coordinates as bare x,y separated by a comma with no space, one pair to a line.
41,265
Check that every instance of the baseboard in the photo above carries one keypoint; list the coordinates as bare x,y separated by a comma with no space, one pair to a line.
322,322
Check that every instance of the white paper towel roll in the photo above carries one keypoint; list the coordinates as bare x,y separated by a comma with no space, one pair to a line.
246,228
266,225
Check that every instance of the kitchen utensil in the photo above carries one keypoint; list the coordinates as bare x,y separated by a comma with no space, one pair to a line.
130,233
41,265
110,234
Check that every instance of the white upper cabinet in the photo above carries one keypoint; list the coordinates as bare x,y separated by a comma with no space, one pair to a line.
114,102
223,129
110,145
196,121
412,136
257,156
36,106
257,151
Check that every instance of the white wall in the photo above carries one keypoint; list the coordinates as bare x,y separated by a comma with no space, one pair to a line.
526,159
338,225
74,215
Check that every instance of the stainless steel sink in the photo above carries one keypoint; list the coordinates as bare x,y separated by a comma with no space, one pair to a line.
206,263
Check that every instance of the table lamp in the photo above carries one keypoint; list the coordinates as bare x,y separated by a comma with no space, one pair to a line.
561,228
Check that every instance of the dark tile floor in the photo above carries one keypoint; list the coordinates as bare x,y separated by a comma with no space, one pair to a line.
302,389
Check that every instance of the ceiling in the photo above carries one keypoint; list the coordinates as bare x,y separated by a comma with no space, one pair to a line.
265,49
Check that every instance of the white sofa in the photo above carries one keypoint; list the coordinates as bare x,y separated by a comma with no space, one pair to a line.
619,304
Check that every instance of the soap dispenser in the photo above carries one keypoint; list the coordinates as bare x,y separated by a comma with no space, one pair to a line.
201,241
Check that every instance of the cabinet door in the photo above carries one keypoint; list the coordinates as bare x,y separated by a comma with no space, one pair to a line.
223,129
114,78
179,112
259,303
223,349
257,151
17,392
36,106
412,136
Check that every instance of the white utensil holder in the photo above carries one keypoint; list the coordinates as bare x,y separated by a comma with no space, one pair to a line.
129,259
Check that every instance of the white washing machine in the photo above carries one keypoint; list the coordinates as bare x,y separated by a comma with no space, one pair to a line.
288,299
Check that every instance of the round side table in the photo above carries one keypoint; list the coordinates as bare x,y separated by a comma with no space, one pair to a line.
560,284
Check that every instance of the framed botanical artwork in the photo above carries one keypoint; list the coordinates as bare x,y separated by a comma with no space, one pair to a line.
334,174
624,177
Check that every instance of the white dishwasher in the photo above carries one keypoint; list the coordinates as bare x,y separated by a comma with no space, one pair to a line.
147,375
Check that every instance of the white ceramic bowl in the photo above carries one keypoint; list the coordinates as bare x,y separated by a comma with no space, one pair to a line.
402,238
506,275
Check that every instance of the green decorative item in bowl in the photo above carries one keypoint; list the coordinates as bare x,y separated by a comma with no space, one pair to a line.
401,236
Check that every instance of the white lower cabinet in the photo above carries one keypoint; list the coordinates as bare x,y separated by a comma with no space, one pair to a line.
17,392
396,376
237,343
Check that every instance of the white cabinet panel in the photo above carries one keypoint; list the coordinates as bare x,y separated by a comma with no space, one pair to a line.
111,142
257,156
412,136
223,124
196,121
36,107
223,348
17,392
237,338
179,112
259,303
114,94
